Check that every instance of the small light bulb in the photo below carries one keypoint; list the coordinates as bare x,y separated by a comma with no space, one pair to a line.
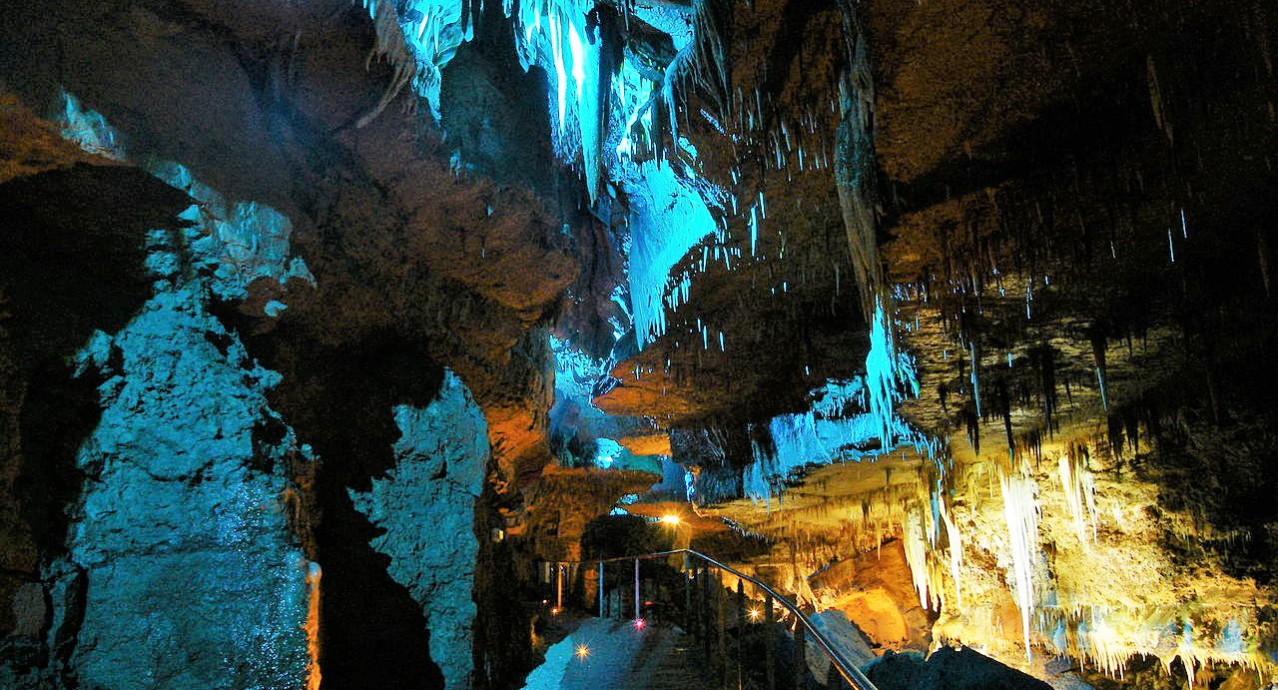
640,623
755,614
582,651
670,519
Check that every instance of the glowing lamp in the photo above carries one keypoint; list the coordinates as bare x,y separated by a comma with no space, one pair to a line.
671,520
582,651
640,624
755,613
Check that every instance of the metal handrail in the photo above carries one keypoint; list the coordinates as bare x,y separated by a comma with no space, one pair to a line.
849,671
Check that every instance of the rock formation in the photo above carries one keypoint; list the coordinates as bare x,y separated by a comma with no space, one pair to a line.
325,324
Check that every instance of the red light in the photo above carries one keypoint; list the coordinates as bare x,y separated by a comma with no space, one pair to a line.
640,624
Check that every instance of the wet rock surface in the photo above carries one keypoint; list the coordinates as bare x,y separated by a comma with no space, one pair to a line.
258,117
71,221
425,508
1065,214
181,533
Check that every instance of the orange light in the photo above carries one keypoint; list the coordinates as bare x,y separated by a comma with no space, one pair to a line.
582,651
312,627
554,611
671,520
756,613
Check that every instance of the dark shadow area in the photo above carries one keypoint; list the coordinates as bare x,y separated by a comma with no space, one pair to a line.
72,252
340,400
615,536
949,669
72,247
503,622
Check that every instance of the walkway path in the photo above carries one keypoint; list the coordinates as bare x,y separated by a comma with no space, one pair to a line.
616,656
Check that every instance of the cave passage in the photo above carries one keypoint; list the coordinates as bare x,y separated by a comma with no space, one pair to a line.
647,344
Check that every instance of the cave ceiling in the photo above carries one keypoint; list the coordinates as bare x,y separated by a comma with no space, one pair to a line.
984,286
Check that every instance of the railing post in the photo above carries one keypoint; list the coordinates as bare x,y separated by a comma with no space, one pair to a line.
741,634
800,658
769,641
559,586
638,613
720,617
706,629
707,603
689,620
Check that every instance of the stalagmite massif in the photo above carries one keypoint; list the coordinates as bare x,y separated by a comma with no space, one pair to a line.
327,326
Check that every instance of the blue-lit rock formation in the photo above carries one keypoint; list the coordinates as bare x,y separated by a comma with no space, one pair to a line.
325,323
181,543
425,507
182,540
265,149
72,251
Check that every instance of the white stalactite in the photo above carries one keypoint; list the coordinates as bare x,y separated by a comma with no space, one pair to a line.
1020,509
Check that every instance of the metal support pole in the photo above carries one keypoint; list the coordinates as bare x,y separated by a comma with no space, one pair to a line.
601,590
800,658
638,613
741,634
720,619
707,628
770,641
688,618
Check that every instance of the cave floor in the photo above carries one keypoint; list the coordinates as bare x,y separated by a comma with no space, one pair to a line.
606,653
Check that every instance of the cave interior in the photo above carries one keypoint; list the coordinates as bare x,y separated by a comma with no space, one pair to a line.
349,345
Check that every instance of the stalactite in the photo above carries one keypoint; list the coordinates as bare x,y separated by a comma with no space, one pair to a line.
854,163
916,555
1100,343
1044,360
1020,510
955,552
1079,486
392,46
975,376
881,375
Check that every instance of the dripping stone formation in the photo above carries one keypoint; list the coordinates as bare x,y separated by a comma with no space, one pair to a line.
753,344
